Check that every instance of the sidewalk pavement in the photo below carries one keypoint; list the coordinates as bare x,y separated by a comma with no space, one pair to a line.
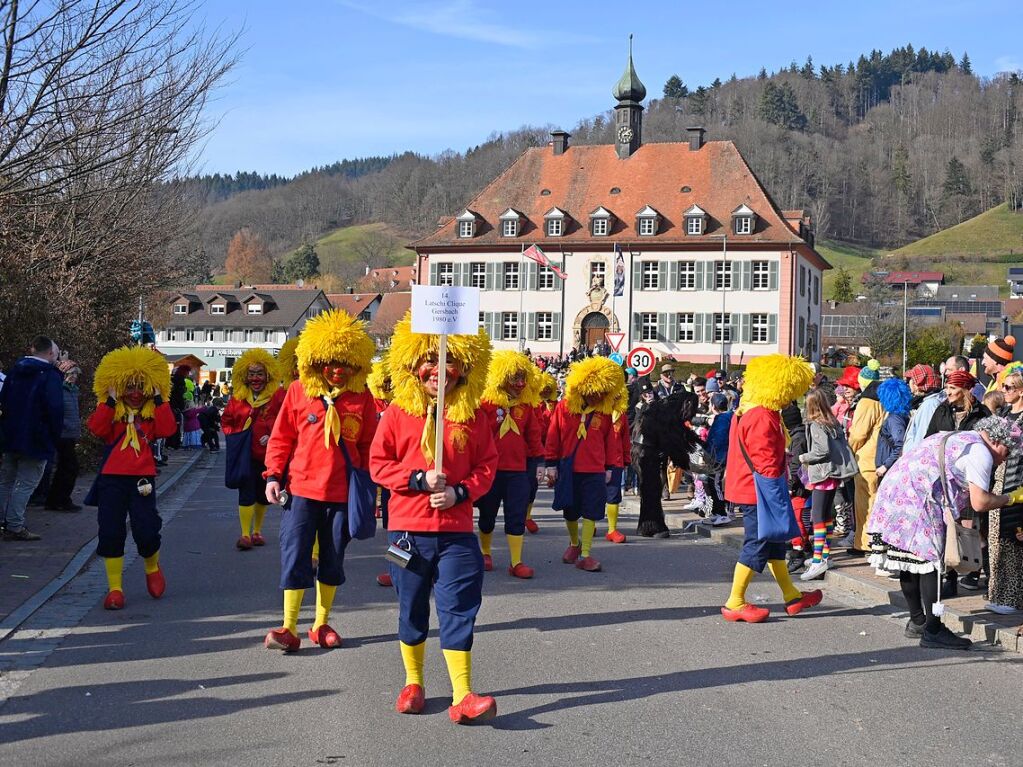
855,577
26,567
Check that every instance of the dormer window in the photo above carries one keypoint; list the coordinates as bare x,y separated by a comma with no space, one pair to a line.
218,308
743,220
466,224
255,309
600,222
181,308
696,220
554,222
647,222
510,221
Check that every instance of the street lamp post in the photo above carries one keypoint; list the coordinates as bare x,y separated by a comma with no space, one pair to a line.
905,321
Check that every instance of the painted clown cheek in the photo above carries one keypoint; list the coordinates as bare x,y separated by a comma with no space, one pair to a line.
134,399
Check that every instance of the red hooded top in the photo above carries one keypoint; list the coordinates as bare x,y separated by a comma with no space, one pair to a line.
127,462
621,430
238,411
761,433
514,449
599,451
470,461
296,443
543,417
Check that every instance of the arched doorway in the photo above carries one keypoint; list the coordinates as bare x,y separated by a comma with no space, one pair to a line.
594,326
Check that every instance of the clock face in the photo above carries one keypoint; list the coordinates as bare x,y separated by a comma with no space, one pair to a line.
625,134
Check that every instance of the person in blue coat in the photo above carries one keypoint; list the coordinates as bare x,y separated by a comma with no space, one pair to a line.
31,420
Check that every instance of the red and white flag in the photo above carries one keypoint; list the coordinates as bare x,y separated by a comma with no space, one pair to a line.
534,253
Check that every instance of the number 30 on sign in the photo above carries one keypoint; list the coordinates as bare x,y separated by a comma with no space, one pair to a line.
642,359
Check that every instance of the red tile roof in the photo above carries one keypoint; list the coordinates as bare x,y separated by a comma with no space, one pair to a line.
581,180
972,322
381,279
353,303
392,308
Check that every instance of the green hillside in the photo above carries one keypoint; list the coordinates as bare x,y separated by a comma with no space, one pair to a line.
374,244
996,233
856,259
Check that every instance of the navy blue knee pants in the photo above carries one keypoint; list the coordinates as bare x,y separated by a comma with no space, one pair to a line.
451,566
614,487
756,553
253,489
511,488
589,494
299,527
119,499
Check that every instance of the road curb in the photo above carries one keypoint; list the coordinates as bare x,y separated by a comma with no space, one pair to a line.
977,627
78,562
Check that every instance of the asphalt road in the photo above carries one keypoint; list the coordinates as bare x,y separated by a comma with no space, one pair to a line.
633,665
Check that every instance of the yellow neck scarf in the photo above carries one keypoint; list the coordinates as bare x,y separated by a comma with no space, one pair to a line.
581,431
428,440
256,402
131,432
508,424
331,421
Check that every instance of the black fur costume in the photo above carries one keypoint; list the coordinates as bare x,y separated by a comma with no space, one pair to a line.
664,435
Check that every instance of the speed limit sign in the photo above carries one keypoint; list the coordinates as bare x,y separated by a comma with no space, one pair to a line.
642,359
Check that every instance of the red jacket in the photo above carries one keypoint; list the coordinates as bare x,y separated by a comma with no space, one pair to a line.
296,444
238,411
543,417
621,430
513,449
470,460
761,433
127,462
599,451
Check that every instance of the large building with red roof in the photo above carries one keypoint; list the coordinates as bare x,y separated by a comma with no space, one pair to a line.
676,245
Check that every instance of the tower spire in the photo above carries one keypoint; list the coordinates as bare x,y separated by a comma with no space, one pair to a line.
629,91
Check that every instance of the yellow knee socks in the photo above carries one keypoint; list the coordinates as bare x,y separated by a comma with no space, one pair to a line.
515,548
412,657
460,670
588,527
740,582
292,605
316,549
486,541
257,519
780,572
324,601
612,517
573,532
245,516
115,568
529,511
152,563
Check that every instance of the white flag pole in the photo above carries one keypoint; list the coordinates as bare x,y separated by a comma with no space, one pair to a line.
442,376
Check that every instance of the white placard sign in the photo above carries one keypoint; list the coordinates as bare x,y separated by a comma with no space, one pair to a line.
445,310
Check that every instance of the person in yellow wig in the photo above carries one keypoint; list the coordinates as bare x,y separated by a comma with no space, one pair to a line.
287,362
379,383
430,512
130,384
582,449
248,421
756,457
543,410
327,418
509,402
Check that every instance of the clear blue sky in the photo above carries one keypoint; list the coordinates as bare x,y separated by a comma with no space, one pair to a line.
322,80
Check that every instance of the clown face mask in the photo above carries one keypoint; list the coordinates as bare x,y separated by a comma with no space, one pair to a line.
592,400
255,378
337,374
428,373
515,385
134,395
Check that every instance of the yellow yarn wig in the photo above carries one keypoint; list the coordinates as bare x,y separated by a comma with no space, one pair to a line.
408,349
548,387
241,369
287,362
595,375
334,336
379,380
504,366
775,380
121,366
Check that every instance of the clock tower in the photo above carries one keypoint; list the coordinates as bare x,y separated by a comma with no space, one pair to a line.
628,92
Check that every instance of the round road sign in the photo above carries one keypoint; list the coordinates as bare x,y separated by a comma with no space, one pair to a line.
642,359
616,358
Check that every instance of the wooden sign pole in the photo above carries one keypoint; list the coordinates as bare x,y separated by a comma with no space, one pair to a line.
442,376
